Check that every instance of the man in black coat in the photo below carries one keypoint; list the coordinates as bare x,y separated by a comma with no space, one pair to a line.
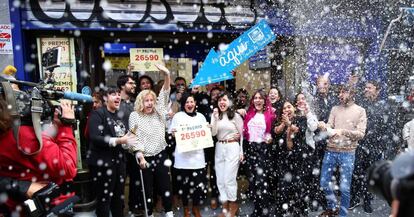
379,139
106,157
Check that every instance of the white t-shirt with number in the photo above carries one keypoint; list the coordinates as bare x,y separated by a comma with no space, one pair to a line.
192,159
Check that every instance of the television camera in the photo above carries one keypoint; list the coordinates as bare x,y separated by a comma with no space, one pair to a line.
40,205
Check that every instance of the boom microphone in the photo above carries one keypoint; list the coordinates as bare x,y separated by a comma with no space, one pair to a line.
77,96
55,95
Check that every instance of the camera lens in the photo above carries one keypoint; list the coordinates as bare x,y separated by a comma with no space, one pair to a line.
379,180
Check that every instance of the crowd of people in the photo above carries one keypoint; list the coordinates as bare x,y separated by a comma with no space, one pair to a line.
292,151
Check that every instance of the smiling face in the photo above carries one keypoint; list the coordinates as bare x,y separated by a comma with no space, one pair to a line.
223,103
149,103
113,101
258,102
288,109
190,105
274,95
301,101
145,84
323,85
130,86
242,98
344,97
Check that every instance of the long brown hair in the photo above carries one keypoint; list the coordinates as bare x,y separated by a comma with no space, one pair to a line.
5,118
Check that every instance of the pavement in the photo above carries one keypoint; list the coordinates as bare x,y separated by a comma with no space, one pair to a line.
380,207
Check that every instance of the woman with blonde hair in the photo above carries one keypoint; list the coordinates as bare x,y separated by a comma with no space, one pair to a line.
148,122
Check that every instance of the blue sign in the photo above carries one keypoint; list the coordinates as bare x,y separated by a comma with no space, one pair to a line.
218,65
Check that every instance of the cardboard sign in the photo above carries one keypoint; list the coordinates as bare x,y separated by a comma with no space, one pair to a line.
193,137
218,65
6,45
65,75
144,59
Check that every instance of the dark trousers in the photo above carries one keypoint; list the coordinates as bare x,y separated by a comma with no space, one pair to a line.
157,175
317,195
135,200
258,159
109,183
212,179
364,158
170,151
192,182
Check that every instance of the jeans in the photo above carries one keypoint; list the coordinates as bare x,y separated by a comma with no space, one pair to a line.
345,161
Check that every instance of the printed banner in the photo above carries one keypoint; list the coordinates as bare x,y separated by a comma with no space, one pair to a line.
218,65
144,59
6,45
193,137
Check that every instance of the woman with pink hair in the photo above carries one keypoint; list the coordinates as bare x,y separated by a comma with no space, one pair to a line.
258,142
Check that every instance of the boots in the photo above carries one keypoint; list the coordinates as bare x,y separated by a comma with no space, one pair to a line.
225,210
187,211
234,208
196,211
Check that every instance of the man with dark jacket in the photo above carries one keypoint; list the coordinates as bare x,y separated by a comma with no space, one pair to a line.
106,157
378,139
127,86
323,102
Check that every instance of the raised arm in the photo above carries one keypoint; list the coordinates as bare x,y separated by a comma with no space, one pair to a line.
167,76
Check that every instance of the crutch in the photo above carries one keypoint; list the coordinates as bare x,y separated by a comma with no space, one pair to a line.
143,187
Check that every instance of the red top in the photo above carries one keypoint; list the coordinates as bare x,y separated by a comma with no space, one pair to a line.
56,162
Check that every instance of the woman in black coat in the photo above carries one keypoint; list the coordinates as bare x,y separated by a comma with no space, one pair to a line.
292,159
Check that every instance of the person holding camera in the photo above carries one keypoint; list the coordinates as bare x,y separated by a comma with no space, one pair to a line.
346,126
106,156
26,159
22,189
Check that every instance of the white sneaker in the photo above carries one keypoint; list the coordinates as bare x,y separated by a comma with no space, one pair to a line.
169,214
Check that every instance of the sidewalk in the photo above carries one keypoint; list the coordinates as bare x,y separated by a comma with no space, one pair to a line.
381,209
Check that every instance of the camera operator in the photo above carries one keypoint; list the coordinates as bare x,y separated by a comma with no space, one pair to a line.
27,160
394,182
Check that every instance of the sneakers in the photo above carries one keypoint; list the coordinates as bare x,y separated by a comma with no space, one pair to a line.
367,208
354,204
329,213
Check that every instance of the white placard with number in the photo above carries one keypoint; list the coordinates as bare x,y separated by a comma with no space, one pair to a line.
193,137
144,59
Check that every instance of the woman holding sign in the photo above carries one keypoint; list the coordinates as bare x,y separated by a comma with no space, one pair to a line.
227,125
191,135
257,134
147,122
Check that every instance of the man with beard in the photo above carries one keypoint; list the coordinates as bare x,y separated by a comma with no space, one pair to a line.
379,135
346,126
323,102
127,86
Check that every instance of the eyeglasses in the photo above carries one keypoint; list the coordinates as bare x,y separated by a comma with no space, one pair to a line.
131,83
